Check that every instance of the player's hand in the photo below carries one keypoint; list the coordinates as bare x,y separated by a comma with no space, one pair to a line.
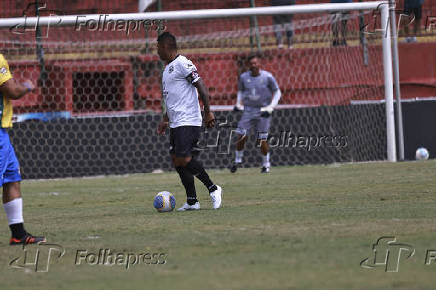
238,107
162,127
209,119
266,111
29,85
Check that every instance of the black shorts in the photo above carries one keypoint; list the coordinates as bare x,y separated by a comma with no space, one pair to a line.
184,140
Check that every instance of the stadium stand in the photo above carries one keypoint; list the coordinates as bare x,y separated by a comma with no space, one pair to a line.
135,70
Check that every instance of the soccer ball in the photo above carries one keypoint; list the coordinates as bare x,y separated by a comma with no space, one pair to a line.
164,201
422,154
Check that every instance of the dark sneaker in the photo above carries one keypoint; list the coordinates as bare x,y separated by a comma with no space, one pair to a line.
264,170
234,167
27,239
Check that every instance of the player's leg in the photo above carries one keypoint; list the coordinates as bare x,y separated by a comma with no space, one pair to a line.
244,126
277,20
289,30
262,128
240,145
264,149
13,205
239,152
344,28
407,11
179,163
417,24
196,168
186,140
12,200
187,180
335,28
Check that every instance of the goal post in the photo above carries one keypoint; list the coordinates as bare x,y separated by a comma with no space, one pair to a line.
99,73
389,84
70,20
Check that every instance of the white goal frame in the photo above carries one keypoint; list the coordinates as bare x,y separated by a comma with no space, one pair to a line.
382,6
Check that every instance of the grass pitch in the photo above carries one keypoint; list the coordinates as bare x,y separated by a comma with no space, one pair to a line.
303,227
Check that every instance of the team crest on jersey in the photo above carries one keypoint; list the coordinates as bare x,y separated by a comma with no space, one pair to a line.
3,70
171,69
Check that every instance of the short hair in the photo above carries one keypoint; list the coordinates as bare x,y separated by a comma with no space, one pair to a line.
169,38
254,55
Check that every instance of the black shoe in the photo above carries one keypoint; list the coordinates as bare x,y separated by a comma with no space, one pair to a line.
27,239
264,170
234,167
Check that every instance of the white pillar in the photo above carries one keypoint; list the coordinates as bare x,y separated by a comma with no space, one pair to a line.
389,90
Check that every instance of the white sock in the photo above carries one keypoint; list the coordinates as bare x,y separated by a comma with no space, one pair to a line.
14,211
238,156
265,159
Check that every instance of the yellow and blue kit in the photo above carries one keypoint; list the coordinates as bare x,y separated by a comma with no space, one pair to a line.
9,166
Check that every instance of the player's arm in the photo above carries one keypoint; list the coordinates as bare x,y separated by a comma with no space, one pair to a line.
274,102
275,98
209,117
277,94
163,125
239,106
15,90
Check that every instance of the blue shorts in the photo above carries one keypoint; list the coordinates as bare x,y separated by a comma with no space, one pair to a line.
9,166
251,118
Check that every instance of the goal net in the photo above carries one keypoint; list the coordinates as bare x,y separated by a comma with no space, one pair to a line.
98,99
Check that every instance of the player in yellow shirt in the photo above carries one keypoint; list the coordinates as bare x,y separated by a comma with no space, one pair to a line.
9,167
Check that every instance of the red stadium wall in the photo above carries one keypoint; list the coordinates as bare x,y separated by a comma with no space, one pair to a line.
418,70
325,86
137,78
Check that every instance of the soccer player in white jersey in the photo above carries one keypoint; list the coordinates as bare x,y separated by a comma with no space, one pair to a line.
258,95
180,83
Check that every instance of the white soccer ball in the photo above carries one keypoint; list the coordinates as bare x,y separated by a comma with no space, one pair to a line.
422,154
164,201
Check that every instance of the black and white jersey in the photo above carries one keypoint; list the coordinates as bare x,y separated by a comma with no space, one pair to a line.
179,93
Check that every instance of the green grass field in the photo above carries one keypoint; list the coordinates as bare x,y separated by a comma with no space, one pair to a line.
302,227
